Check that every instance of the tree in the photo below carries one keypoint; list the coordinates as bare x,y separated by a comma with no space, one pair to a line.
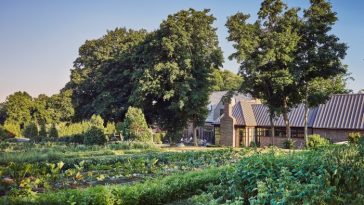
101,80
19,108
318,68
176,70
265,51
12,128
135,127
225,80
2,113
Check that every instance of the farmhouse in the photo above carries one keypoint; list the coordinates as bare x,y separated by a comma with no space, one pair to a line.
245,120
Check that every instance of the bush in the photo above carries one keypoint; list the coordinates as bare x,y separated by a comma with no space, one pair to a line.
158,137
135,127
4,134
315,141
53,132
31,131
354,137
288,144
95,135
43,131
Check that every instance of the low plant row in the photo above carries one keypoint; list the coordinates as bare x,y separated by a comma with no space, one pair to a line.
30,178
155,191
333,175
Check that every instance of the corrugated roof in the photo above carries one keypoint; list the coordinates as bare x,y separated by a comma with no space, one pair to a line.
295,116
341,112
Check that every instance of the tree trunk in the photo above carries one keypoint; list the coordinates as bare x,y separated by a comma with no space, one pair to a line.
272,131
286,120
194,128
305,118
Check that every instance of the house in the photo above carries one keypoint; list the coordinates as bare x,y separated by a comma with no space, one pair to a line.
215,110
245,121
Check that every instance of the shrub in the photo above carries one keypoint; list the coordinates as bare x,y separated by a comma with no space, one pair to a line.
354,137
158,137
4,134
315,141
288,144
97,121
31,131
43,131
95,135
135,127
53,132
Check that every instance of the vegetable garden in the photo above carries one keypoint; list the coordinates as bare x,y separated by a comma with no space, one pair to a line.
137,173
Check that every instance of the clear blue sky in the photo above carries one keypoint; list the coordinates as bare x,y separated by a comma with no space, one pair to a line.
39,39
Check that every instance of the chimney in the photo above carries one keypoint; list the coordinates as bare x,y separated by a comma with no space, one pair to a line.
228,107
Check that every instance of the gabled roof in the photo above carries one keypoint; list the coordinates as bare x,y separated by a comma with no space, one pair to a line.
341,112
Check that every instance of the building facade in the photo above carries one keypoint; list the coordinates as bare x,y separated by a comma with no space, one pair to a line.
245,121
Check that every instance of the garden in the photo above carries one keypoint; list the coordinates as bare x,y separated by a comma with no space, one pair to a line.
132,172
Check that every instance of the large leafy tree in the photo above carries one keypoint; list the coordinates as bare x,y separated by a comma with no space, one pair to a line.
177,64
318,67
265,50
101,80
19,108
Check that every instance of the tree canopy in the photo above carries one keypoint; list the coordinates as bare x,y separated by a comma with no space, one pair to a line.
178,61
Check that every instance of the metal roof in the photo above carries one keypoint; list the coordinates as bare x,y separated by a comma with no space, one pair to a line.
295,116
341,112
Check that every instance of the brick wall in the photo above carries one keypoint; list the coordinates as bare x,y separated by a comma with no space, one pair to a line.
278,141
227,129
335,135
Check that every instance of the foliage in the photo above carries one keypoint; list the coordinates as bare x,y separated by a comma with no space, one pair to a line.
110,128
53,132
135,126
265,49
12,128
325,176
158,137
155,191
101,78
95,135
315,141
43,131
225,80
177,64
289,144
31,131
18,108
4,134
354,137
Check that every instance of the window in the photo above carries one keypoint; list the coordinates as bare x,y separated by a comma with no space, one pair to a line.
221,111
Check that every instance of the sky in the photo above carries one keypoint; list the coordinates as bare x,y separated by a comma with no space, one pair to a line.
39,39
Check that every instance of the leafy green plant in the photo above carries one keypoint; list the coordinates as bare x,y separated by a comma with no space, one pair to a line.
95,135
289,144
158,137
315,141
354,137
53,132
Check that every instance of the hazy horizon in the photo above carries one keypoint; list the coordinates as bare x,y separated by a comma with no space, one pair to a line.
39,40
